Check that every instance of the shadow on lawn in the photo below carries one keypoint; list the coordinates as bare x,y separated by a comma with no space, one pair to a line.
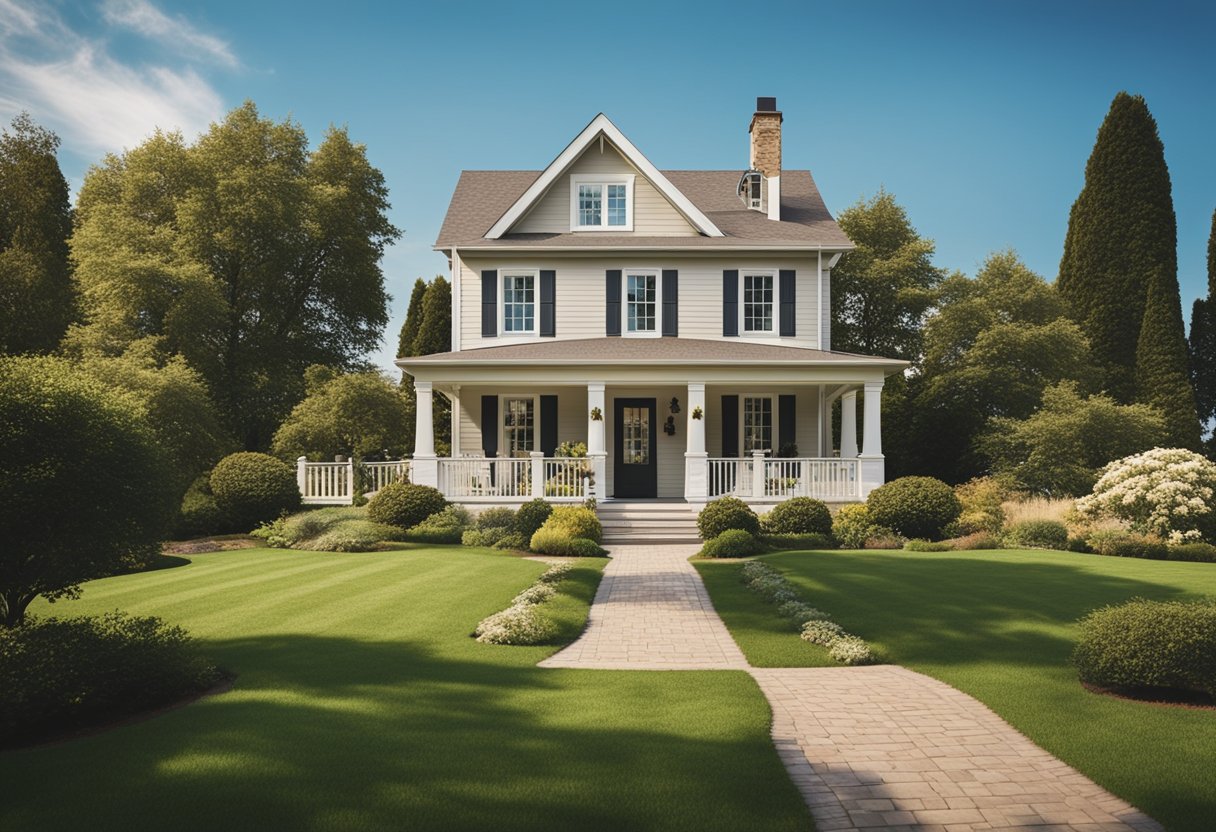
346,734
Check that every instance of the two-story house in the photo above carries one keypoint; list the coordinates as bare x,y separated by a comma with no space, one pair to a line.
676,321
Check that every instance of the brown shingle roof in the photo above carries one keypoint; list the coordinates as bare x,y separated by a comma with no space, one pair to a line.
482,196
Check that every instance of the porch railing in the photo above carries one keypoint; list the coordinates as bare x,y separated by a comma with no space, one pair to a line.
517,479
379,474
758,477
325,483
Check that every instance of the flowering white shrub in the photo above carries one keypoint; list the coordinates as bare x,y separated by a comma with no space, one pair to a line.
851,650
556,573
754,569
520,624
538,593
801,612
823,633
1166,491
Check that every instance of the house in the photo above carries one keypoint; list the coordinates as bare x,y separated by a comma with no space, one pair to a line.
677,322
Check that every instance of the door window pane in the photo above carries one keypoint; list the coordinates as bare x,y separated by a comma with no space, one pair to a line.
636,437
640,302
519,422
757,424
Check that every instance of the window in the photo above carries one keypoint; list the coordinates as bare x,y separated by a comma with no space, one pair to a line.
757,424
519,426
635,440
519,302
757,302
641,302
601,203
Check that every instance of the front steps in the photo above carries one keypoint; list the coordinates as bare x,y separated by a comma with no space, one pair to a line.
647,521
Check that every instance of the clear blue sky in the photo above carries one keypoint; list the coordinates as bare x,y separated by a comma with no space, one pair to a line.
978,116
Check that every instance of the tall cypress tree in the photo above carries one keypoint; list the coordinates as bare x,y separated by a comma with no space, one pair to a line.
435,330
1161,362
413,320
1121,232
1203,339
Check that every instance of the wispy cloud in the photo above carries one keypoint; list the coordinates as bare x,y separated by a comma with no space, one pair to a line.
98,102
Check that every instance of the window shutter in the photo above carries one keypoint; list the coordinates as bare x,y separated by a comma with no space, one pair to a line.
671,303
613,307
730,426
489,425
785,293
730,303
489,303
548,304
787,423
548,425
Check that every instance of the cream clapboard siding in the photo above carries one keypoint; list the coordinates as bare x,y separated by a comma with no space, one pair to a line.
806,431
581,293
571,414
653,215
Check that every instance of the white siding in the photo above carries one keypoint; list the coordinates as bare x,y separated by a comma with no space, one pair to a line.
806,431
571,414
653,215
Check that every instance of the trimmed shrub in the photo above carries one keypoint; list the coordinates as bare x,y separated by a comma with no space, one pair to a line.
852,526
496,518
881,538
58,674
512,542
575,521
1077,543
798,541
522,624
1123,544
724,514
331,529
1149,644
920,545
801,612
798,515
405,504
531,516
446,526
199,514
851,650
822,632
252,488
732,543
548,541
1042,534
351,536
914,506
1195,552
973,541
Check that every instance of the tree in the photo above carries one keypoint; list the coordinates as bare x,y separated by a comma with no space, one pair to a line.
359,415
882,289
1203,340
1059,449
1162,364
85,483
36,297
246,252
413,320
435,329
1121,232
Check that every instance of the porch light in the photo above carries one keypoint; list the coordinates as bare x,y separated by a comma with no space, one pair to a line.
669,427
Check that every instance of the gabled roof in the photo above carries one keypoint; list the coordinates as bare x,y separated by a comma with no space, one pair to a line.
600,125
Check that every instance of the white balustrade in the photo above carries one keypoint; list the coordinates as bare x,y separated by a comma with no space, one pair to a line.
822,478
325,483
379,474
516,480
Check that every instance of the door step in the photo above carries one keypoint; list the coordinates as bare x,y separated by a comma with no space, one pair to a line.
635,521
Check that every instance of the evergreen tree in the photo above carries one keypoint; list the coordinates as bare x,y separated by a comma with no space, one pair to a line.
435,329
1161,362
413,320
1121,231
1203,339
36,296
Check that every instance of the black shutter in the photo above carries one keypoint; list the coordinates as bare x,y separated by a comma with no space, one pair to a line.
787,420
730,303
671,303
548,425
489,303
612,312
730,426
489,425
785,293
548,304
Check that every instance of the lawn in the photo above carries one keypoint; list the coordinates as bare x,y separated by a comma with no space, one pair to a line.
362,703
1000,626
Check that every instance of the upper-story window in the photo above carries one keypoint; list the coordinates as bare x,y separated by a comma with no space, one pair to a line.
601,202
641,302
519,302
758,302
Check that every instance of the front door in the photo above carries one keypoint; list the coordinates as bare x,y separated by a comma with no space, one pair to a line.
636,472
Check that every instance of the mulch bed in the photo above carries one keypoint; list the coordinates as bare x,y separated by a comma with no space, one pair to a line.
1164,697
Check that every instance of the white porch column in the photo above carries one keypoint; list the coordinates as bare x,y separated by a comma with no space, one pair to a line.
696,459
456,414
597,446
425,468
871,462
536,461
848,424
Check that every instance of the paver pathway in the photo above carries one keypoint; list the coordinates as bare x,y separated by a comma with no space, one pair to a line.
869,747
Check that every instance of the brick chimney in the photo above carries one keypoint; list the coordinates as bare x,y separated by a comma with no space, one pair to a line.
765,131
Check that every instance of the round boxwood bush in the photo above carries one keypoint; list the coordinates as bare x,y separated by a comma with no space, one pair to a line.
1149,644
914,506
575,521
1043,534
799,515
252,488
405,504
531,516
732,543
724,514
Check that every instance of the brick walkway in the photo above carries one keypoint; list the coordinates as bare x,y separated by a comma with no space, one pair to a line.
869,747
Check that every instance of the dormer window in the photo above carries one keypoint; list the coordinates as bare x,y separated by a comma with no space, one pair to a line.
751,190
601,202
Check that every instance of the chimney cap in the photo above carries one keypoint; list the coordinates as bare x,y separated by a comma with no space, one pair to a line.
766,104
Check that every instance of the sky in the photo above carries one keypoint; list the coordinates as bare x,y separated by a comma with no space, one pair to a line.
977,116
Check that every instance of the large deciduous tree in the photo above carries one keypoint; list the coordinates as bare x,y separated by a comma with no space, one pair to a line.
1203,340
36,297
246,252
1122,238
360,415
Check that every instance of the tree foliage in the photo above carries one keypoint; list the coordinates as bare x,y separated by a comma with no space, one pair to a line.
246,252
1121,233
360,415
413,320
1162,364
36,297
435,329
85,482
1203,339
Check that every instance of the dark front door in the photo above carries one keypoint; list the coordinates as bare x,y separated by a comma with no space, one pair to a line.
636,473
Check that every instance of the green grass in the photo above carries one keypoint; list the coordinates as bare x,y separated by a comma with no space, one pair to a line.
1000,625
361,702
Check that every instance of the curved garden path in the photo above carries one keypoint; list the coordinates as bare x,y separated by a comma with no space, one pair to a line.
876,747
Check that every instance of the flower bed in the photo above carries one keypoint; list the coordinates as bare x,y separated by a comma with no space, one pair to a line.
523,622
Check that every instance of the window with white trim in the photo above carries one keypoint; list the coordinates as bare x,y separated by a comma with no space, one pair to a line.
518,302
519,426
757,306
757,424
641,302
601,203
